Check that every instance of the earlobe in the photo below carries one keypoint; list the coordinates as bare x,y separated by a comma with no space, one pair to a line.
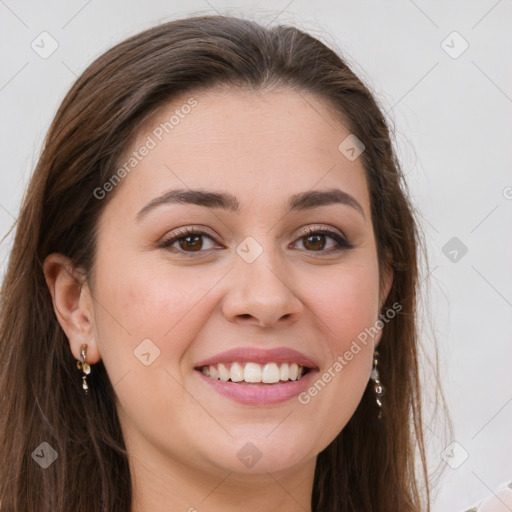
72,304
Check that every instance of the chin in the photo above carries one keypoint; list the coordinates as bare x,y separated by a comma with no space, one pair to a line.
254,452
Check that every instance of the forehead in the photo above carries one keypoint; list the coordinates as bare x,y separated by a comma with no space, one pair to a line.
258,145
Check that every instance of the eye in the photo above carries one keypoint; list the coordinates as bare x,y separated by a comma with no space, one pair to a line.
323,240
193,240
189,240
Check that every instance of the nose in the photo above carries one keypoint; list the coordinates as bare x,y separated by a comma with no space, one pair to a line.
260,294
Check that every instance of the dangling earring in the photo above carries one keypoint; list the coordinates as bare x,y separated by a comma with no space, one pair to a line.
85,367
377,386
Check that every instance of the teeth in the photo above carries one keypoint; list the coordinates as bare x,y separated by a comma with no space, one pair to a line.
294,371
223,372
252,372
236,373
269,373
284,372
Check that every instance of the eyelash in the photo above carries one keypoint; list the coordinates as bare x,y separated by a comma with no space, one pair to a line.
343,244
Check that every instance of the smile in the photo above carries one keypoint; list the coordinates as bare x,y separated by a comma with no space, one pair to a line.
258,376
251,372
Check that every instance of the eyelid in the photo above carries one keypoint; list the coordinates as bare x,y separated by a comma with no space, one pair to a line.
336,234
314,228
169,238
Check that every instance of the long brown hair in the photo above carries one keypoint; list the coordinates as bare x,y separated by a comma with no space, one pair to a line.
370,465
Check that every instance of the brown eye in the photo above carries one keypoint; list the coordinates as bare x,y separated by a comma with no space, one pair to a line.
189,240
314,242
192,243
323,241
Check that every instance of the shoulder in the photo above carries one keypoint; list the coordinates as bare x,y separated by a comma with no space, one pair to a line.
499,501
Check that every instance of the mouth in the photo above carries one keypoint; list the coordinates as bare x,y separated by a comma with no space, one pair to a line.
256,376
255,373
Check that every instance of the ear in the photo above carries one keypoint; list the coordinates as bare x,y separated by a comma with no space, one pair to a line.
73,304
386,282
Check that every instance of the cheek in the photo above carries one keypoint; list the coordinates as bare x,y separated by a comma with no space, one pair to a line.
150,309
138,301
345,300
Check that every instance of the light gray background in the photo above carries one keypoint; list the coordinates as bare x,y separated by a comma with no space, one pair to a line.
453,122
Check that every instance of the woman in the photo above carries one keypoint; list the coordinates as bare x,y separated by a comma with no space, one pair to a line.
211,295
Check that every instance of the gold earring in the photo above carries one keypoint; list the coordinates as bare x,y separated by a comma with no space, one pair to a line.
85,367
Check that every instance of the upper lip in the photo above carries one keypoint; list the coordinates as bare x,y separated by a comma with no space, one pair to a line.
258,355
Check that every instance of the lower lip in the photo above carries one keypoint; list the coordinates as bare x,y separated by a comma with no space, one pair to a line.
260,394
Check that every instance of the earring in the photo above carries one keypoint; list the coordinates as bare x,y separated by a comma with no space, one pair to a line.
85,367
377,386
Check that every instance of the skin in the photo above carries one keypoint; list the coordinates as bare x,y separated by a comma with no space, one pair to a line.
183,436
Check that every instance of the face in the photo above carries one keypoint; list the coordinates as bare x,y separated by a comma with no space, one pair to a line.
241,237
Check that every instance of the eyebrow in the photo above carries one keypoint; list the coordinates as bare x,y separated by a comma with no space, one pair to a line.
303,201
